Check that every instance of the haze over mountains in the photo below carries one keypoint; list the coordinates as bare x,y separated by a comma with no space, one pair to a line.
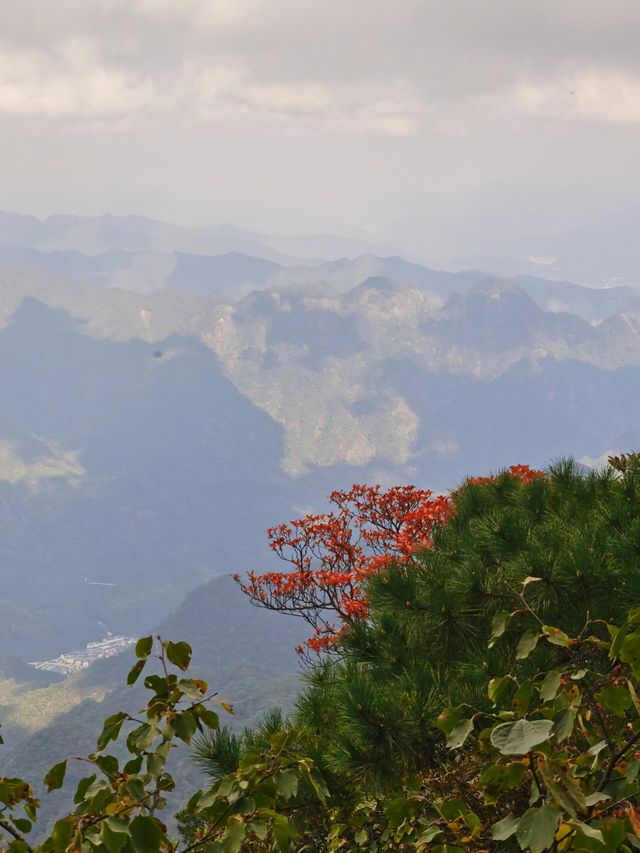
169,393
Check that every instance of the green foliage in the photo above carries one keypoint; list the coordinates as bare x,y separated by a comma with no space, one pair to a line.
561,773
117,804
572,539
218,751
578,779
489,703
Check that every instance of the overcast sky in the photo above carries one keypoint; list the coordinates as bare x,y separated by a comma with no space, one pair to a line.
452,128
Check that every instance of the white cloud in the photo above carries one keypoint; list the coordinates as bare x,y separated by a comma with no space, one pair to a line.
199,14
70,83
590,95
74,82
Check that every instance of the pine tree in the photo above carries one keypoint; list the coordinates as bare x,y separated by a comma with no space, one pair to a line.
370,713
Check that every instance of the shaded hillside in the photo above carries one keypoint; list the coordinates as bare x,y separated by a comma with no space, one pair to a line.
121,467
147,441
245,653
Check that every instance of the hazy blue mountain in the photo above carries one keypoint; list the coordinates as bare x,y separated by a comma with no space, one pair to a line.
233,274
246,654
94,234
96,269
596,252
150,432
147,440
165,464
140,255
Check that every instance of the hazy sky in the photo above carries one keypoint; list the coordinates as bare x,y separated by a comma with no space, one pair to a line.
454,128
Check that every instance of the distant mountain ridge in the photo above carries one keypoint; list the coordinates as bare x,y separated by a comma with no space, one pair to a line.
151,431
167,394
92,235
138,254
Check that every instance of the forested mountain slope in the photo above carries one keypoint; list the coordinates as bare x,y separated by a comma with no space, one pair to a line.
147,441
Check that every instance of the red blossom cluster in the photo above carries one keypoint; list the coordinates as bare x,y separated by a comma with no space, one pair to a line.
523,473
331,554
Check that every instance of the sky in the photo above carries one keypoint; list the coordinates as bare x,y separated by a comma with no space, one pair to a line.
457,130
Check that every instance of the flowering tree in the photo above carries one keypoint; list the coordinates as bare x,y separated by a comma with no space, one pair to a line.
523,473
331,554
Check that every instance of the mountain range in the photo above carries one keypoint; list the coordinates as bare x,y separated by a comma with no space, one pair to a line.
166,394
152,427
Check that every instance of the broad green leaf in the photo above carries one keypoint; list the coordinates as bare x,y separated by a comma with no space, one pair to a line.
630,652
555,636
399,809
179,654
615,699
134,765
563,723
537,828
111,729
499,625
497,688
139,739
588,831
134,672
259,829
505,828
288,784
634,696
62,833
429,834
317,783
550,685
449,718
459,734
597,797
632,771
361,837
155,764
55,777
208,717
114,834
452,809
473,822
234,837
619,638
522,698
184,725
108,764
144,646
498,778
83,787
520,737
18,847
527,644
561,786
146,834
192,687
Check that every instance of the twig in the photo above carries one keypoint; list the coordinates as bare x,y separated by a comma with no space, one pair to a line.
14,832
614,760
601,720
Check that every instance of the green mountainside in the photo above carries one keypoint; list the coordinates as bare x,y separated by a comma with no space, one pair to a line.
148,440
246,654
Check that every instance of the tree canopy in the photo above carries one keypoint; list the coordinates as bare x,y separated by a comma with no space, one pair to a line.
483,697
